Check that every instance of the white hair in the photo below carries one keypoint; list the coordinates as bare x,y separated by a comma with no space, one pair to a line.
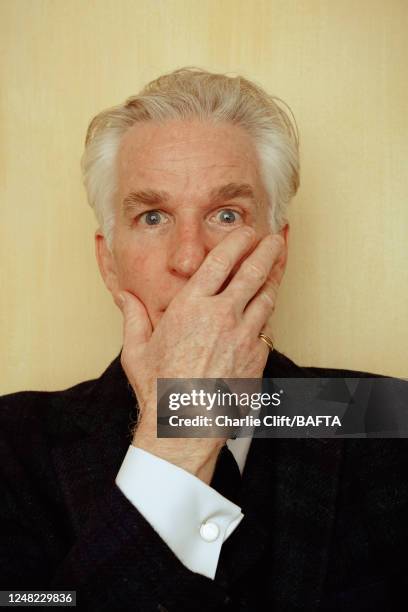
190,93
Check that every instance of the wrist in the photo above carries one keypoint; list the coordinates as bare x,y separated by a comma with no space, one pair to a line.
190,455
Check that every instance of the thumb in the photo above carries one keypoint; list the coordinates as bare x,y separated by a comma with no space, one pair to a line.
137,328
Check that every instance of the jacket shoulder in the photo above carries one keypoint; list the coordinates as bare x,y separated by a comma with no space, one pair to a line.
31,410
68,412
280,365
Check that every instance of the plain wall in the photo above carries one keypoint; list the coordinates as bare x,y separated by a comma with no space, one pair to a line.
341,66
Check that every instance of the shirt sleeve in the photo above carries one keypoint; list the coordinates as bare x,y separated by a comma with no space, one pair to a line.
190,516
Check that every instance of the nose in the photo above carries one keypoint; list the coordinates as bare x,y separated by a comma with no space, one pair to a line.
188,249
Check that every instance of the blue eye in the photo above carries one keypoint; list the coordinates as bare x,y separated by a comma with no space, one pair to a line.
229,216
153,217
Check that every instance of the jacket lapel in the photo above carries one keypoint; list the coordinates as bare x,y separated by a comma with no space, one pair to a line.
288,495
97,433
288,499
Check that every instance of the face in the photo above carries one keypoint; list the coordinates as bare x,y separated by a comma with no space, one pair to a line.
182,186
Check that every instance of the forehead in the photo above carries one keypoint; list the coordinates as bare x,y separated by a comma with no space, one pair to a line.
186,155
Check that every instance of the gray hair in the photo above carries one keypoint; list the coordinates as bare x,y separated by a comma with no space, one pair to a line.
194,93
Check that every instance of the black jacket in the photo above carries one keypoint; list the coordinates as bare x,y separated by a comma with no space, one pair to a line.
325,520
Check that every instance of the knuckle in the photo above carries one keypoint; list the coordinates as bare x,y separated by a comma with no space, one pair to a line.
255,271
219,262
268,299
229,321
277,241
272,286
249,231
226,314
246,341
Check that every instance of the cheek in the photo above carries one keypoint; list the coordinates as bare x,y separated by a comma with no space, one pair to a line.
146,277
137,269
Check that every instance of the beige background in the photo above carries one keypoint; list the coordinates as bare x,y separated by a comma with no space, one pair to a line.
341,66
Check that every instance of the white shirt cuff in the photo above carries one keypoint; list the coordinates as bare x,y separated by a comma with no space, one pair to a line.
190,516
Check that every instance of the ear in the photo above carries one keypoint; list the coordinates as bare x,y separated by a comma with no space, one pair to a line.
106,263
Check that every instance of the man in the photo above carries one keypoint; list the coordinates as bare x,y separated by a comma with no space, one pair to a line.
190,181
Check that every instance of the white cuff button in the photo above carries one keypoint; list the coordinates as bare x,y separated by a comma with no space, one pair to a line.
209,531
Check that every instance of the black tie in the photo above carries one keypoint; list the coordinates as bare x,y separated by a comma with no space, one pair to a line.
227,477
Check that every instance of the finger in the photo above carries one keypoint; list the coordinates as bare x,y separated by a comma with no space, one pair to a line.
220,262
137,328
262,306
254,271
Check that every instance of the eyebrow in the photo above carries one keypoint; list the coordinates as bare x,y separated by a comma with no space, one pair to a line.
150,197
